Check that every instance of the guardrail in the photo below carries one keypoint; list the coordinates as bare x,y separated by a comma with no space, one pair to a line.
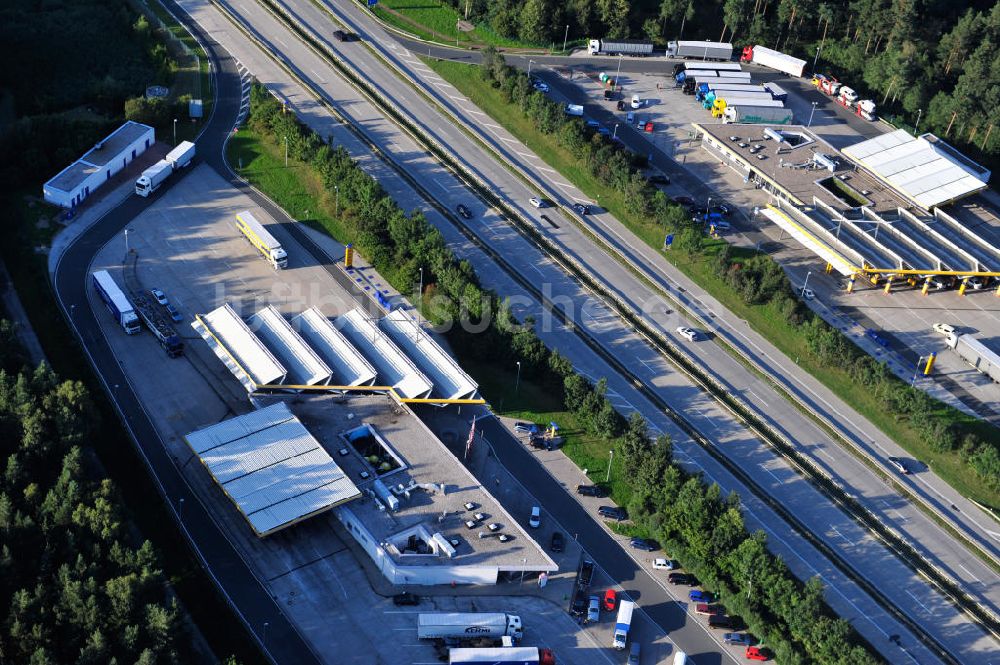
580,273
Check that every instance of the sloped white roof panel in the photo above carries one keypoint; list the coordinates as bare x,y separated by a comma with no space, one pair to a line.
450,381
920,168
272,468
394,368
243,346
305,368
349,367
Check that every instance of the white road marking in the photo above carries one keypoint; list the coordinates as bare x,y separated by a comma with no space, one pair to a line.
917,601
524,154
757,396
969,573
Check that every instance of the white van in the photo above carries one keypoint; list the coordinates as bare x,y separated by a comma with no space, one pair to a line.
535,520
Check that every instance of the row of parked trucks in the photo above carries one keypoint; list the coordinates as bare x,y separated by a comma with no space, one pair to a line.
128,312
157,174
730,94
845,96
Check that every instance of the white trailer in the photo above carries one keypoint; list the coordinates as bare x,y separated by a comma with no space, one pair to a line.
703,50
720,88
749,114
182,155
776,91
736,76
155,175
620,47
714,66
977,354
460,625
754,99
761,55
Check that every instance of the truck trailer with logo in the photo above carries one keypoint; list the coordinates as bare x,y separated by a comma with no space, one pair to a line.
262,241
461,625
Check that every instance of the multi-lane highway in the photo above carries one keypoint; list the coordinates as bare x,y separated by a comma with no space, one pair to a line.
428,180
442,186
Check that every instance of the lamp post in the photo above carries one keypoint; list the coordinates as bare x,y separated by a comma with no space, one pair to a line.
919,113
809,124
175,131
614,134
816,59
916,370
180,510
126,245
806,282
611,457
565,37
336,203
618,73
286,151
420,293
530,62
264,640
524,562
517,381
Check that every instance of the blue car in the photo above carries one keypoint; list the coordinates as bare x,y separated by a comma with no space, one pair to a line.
699,596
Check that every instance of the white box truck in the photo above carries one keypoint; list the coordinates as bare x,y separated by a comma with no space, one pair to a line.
574,109
461,625
155,175
761,55
767,115
977,354
700,50
116,301
620,47
622,624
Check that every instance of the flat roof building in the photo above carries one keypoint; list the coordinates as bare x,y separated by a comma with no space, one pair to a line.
274,471
348,366
394,368
450,380
76,182
305,368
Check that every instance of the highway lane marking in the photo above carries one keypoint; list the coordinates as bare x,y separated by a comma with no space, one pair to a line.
281,41
917,601
837,532
824,453
442,186
970,573
456,97
524,154
508,140
440,85
757,396
491,125
318,75
770,473
545,168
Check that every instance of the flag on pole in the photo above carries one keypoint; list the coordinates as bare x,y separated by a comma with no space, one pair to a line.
472,435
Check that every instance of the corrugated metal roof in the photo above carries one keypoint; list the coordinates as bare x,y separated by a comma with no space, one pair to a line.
304,366
243,346
394,368
272,468
450,381
349,367
919,168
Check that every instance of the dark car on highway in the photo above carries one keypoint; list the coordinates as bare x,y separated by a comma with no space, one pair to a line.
463,211
557,542
591,490
406,599
581,208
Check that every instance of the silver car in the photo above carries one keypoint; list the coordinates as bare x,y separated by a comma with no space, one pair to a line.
594,610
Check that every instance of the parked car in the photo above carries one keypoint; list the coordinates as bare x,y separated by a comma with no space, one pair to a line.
582,208
463,211
340,35
659,179
535,520
944,328
630,117
613,513
636,102
757,653
720,621
175,316
586,573
610,600
594,609
697,210
604,131
808,294
683,579
738,639
633,654
643,544
525,427
707,610
537,202
721,209
683,200
690,334
579,605
591,490
898,465
557,542
699,596
593,124
159,296
406,599
541,87
664,564
621,104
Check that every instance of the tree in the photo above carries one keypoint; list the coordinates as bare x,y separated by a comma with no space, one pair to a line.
154,112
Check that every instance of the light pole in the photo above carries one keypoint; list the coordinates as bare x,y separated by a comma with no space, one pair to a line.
708,208
175,131
517,381
565,37
618,73
614,134
420,293
916,370
816,59
806,282
524,562
336,204
611,457
919,112
126,245
286,151
530,62
180,510
809,124
264,640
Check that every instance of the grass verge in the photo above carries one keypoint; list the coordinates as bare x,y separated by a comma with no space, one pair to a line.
699,268
435,21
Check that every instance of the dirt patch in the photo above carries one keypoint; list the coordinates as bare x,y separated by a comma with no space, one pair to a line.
464,26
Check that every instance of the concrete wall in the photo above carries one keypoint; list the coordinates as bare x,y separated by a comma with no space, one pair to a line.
441,573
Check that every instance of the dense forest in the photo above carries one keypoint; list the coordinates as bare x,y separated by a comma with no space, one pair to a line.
925,59
75,586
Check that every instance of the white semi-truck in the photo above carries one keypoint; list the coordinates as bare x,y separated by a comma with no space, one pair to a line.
464,625
750,114
768,57
700,50
262,241
977,354
116,301
620,47
155,175
501,656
